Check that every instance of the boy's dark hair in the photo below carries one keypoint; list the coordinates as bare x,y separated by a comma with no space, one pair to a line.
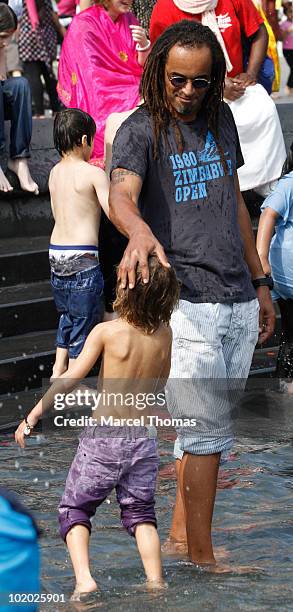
70,126
8,19
288,164
148,305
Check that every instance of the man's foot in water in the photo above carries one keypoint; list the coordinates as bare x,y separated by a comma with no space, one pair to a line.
4,183
20,167
174,547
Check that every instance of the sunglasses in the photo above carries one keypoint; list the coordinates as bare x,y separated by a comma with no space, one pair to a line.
180,81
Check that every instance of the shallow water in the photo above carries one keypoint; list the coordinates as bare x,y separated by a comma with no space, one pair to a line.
253,518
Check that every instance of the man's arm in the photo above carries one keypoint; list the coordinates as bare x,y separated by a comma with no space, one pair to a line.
92,349
125,188
267,313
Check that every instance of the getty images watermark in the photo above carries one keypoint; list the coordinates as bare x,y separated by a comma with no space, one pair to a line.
102,401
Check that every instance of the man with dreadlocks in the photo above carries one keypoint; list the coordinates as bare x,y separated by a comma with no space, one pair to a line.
175,192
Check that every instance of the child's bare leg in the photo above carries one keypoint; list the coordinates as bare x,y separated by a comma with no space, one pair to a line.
77,541
198,483
61,362
148,544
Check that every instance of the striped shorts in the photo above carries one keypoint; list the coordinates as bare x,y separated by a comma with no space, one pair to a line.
212,350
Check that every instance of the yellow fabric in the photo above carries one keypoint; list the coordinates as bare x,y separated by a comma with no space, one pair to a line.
272,47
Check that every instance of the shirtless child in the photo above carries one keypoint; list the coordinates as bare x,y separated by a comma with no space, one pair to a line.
78,191
136,351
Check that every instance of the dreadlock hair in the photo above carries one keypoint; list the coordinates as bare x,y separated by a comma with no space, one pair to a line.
184,34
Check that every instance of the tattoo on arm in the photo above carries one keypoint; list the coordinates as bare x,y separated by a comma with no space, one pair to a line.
119,176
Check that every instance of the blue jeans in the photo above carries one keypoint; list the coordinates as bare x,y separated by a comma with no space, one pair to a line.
79,299
16,105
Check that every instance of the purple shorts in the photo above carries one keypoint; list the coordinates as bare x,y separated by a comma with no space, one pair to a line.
124,459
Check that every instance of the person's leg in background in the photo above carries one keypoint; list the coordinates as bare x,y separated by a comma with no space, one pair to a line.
288,55
33,71
51,85
17,108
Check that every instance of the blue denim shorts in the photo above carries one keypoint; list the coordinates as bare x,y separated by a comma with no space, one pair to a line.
80,301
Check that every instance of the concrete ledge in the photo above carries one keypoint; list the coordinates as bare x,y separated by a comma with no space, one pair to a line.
26,217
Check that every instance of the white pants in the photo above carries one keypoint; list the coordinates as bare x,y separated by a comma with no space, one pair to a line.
212,350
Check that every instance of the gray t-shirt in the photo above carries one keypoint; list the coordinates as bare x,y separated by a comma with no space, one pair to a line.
189,202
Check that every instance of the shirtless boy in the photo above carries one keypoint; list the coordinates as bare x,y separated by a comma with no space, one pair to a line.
78,191
136,349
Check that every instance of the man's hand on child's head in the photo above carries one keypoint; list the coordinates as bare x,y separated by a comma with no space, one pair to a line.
140,246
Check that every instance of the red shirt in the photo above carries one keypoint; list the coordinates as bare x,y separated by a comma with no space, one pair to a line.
234,17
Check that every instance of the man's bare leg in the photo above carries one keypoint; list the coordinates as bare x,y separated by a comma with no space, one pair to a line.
148,544
20,167
177,540
198,483
4,183
77,541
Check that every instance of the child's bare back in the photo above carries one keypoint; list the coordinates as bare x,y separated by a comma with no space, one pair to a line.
78,191
133,363
129,353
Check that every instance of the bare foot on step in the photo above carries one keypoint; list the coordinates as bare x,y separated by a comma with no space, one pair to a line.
4,183
20,167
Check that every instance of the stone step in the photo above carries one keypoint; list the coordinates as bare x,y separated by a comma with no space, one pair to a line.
30,216
23,260
27,308
25,360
